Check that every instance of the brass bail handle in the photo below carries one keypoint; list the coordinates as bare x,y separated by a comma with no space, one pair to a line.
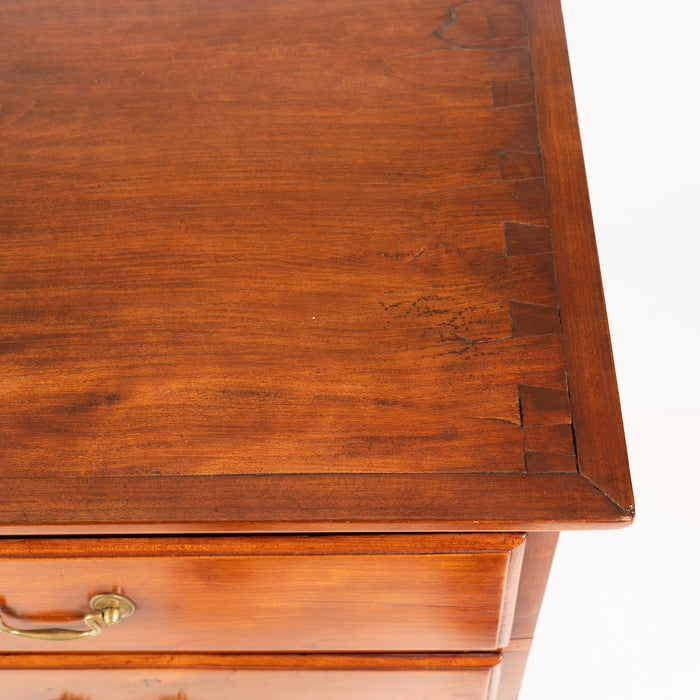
107,608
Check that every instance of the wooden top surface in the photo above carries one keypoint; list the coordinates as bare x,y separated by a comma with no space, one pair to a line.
298,266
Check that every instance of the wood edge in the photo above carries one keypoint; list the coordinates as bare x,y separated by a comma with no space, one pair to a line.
285,528
540,548
494,682
512,671
627,513
521,644
361,503
593,389
263,661
510,593
290,545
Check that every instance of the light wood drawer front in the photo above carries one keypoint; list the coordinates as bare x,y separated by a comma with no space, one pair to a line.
343,677
269,593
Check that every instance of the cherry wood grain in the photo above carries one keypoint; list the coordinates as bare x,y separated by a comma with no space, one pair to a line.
291,272
207,660
312,503
253,676
326,269
467,677
332,256
259,545
294,267
536,565
363,593
600,443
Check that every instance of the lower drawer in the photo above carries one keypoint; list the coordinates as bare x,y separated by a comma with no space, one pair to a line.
251,677
438,592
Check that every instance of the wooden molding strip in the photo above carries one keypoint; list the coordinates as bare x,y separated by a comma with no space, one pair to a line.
201,661
318,502
595,403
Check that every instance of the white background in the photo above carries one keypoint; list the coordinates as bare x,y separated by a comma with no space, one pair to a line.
621,615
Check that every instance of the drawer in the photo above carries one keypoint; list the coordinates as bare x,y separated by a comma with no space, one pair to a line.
434,592
340,677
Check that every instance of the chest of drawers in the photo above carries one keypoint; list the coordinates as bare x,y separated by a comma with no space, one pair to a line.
305,359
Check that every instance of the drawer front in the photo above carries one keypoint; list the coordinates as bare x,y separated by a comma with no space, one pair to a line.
268,593
472,677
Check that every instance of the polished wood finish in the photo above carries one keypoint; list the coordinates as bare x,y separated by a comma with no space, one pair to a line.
312,503
595,404
314,660
273,268
536,565
464,677
362,593
512,672
323,275
192,684
539,550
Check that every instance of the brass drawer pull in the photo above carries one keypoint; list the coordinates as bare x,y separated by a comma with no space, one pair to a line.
109,608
